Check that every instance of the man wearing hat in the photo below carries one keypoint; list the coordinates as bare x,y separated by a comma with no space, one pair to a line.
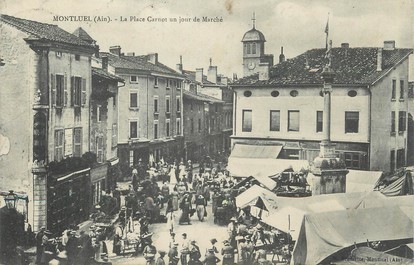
210,258
39,247
228,253
195,253
72,248
149,252
213,247
248,250
45,245
173,254
185,249
160,260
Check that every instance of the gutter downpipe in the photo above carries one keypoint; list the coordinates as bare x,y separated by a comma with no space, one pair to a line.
370,127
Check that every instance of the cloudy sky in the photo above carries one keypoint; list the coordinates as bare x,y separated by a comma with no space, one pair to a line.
298,25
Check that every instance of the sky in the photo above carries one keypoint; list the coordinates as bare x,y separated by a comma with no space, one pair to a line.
297,25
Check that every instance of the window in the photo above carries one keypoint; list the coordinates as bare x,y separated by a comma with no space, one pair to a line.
294,93
216,107
155,104
400,158
59,54
274,93
133,79
77,57
76,83
248,48
99,149
352,160
402,89
392,160
293,120
392,121
178,126
247,121
167,126
155,129
178,104
77,142
133,129
155,81
114,134
351,121
319,121
402,120
169,82
167,104
98,113
199,125
191,126
59,140
394,89
133,99
131,158
352,93
275,120
247,93
254,48
178,84
60,90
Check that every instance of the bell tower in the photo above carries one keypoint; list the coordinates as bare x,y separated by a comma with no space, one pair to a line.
254,50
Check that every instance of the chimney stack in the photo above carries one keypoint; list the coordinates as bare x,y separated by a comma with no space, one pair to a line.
179,66
130,54
379,60
115,50
281,56
199,75
153,58
389,45
105,63
264,69
345,45
212,73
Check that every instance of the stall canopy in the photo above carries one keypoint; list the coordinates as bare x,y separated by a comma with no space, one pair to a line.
255,151
396,184
366,255
261,180
250,196
334,231
405,251
362,181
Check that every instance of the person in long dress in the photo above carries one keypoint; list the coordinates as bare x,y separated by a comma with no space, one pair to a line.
173,178
170,220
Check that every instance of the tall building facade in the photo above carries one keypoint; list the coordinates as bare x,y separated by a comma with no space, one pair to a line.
44,126
149,109
283,105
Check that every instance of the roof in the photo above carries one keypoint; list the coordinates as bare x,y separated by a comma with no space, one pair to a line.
201,97
191,75
43,31
352,66
82,34
253,35
138,63
104,74
361,180
256,151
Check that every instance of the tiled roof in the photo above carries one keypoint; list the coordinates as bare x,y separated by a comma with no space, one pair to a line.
104,74
201,97
44,31
82,34
352,66
138,63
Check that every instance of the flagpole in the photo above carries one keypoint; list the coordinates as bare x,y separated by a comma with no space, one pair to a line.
327,33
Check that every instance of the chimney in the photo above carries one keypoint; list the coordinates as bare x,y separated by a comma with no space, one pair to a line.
389,45
264,69
379,59
179,66
130,54
153,58
212,74
281,56
224,80
345,45
105,63
97,51
234,77
115,50
199,75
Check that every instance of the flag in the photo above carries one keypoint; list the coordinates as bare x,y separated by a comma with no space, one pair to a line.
327,26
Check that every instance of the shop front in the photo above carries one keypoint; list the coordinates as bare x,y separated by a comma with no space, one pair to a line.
98,183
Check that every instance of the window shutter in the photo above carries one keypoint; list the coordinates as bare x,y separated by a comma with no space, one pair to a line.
83,91
65,89
72,91
53,89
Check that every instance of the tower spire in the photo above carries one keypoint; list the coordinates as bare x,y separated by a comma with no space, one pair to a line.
254,20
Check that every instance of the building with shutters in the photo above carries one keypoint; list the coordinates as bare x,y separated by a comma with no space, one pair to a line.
44,121
283,105
149,109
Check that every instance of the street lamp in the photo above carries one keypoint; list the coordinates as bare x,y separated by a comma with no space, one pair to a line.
10,200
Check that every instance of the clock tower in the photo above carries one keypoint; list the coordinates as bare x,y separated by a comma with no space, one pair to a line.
254,50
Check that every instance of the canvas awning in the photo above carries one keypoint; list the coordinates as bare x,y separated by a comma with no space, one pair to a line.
366,255
334,231
362,181
250,196
255,151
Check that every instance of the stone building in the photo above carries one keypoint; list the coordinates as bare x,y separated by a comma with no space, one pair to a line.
44,125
